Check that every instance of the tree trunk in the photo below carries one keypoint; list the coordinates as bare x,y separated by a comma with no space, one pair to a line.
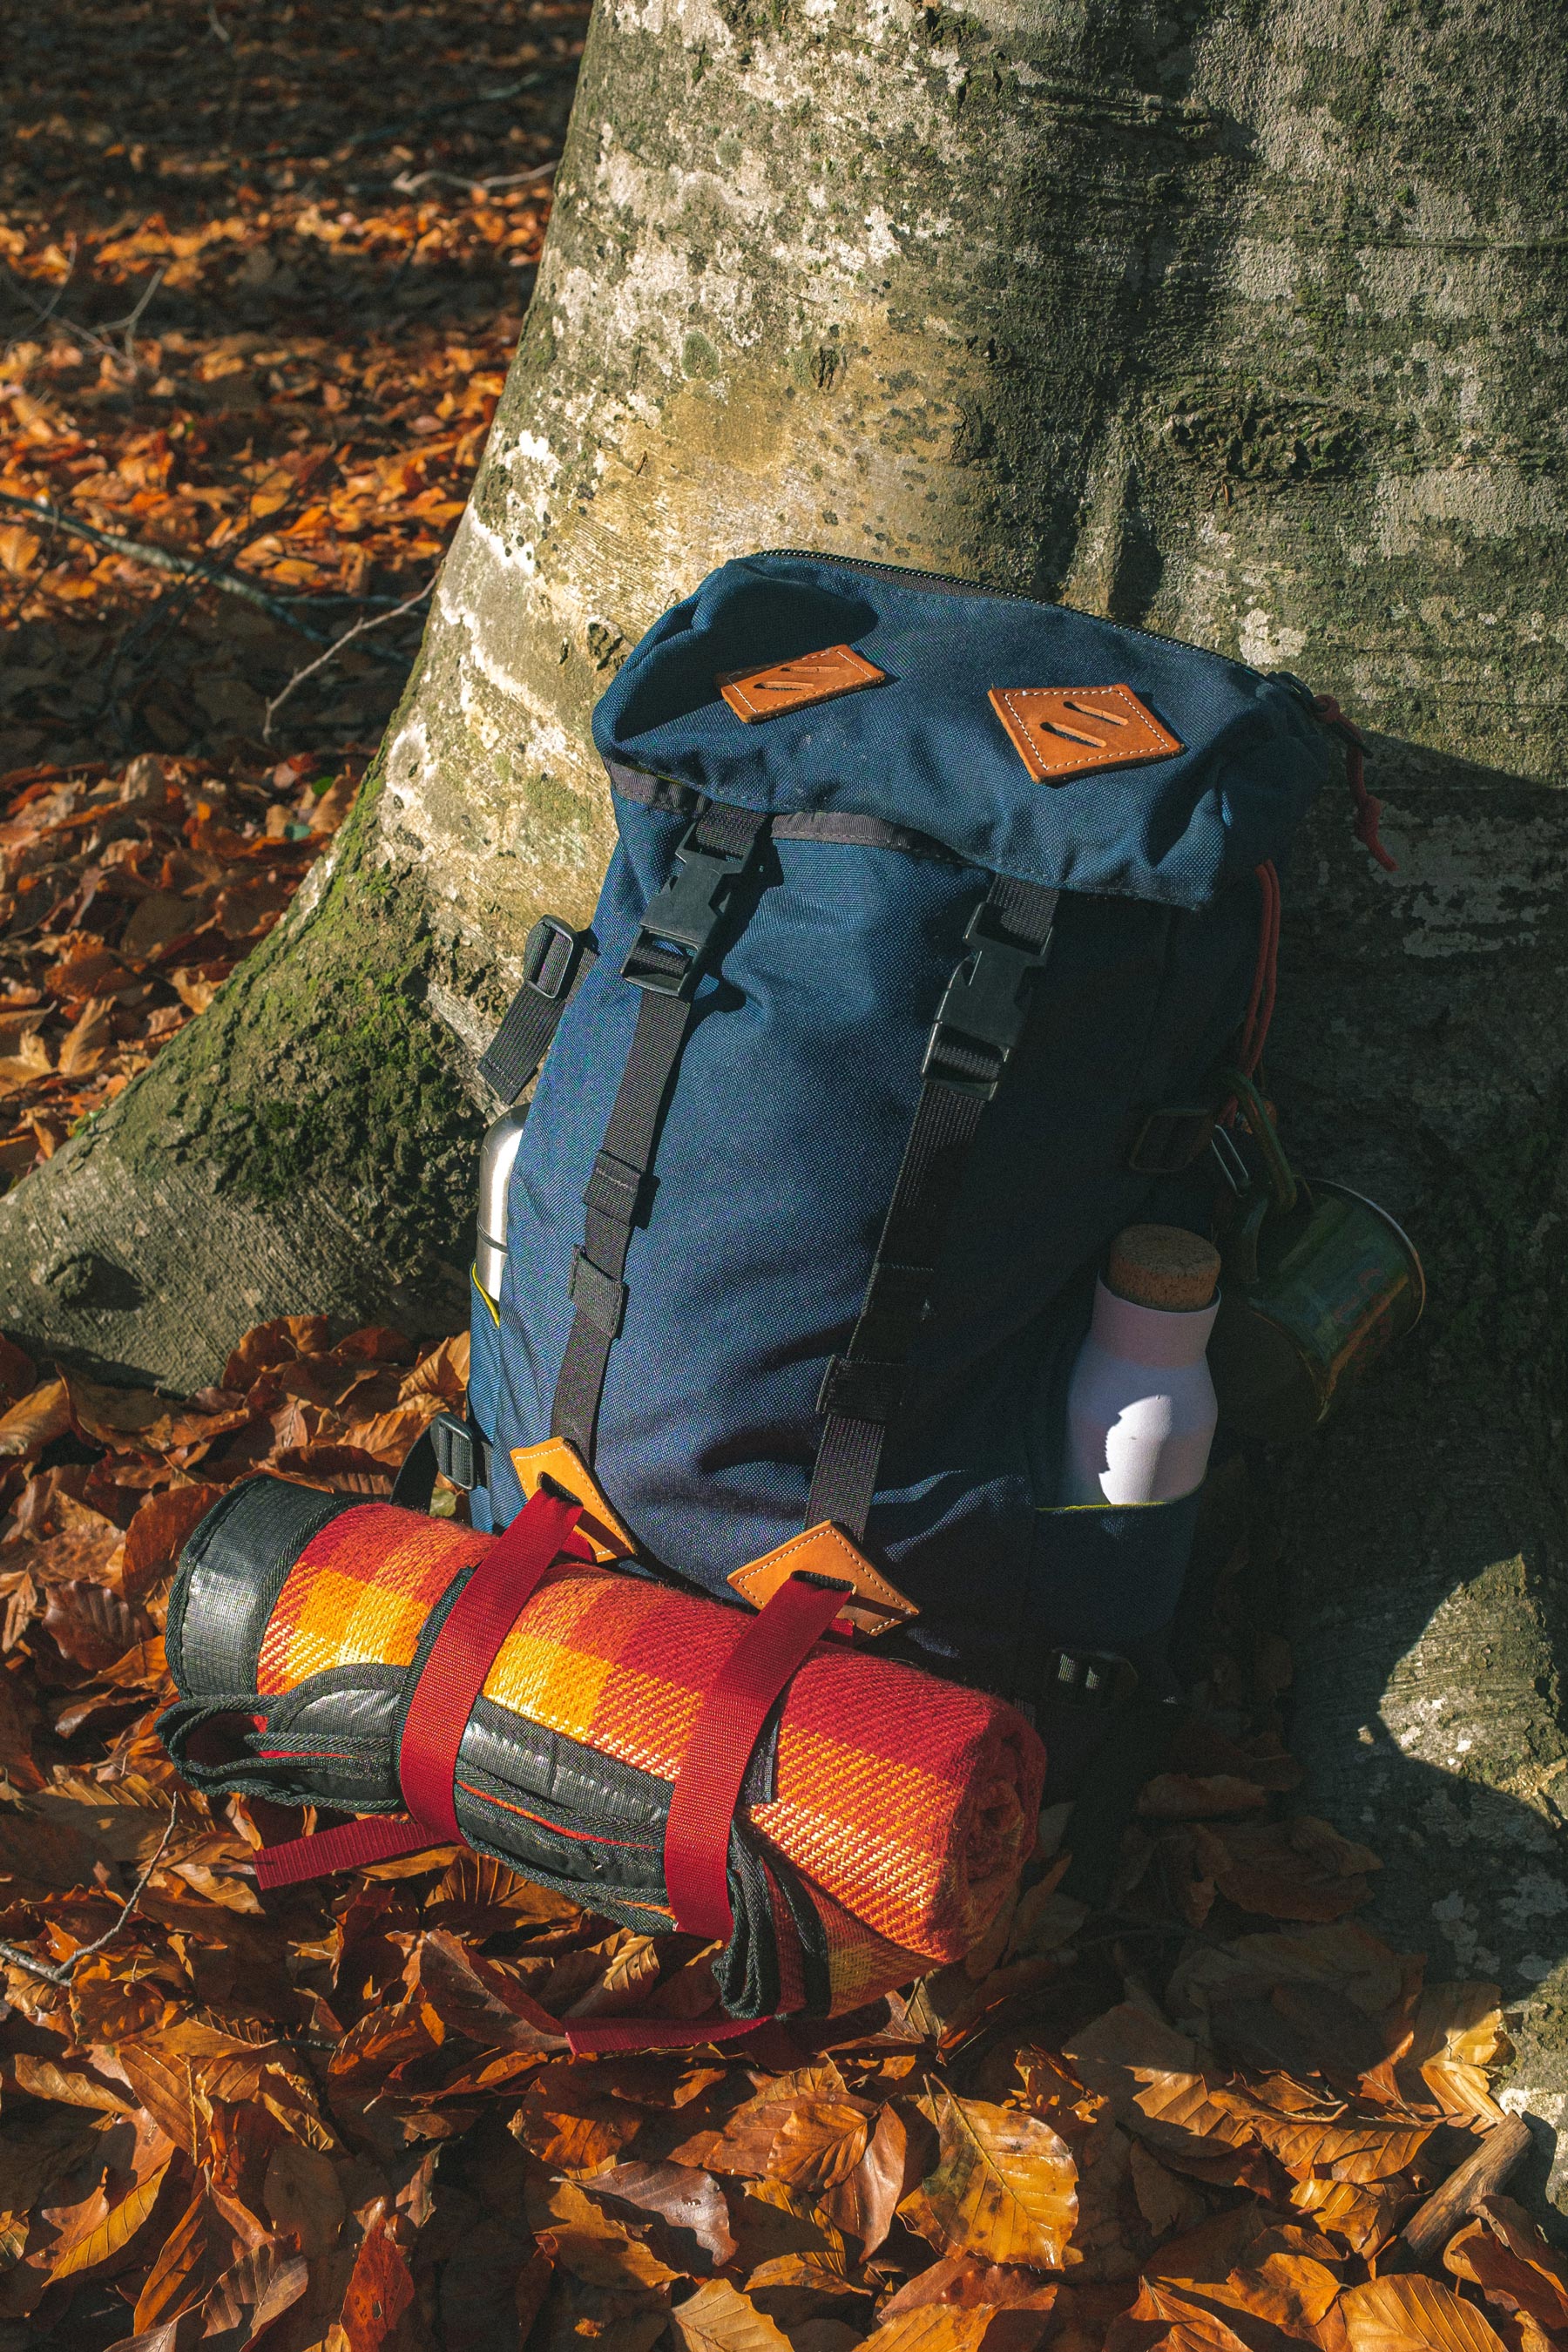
1244,322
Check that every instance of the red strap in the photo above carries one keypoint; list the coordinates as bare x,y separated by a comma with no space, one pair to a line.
730,1720
1265,979
450,1681
1368,810
466,1649
375,1837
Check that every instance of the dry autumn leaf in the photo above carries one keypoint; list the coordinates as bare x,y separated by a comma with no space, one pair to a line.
689,2204
1002,2188
963,2283
100,2234
593,2244
954,2327
189,2262
1414,2314
864,2201
719,2318
30,1424
809,2142
380,2291
303,2199
1504,2253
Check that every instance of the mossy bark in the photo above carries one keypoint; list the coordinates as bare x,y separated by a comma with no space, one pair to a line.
1241,319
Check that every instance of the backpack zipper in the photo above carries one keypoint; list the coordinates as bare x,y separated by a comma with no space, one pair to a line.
1321,708
944,580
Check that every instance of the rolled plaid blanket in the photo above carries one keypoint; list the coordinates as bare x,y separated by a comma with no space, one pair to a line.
880,1815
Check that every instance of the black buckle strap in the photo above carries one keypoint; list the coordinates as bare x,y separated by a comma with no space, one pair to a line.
555,959
462,1452
597,1295
860,1389
678,940
451,1444
1092,1681
981,1019
674,947
1172,1138
616,1189
982,1016
550,957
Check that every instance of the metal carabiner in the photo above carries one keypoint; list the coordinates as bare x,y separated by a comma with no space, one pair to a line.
1282,1183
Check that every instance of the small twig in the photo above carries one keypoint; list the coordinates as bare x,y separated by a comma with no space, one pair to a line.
384,131
160,559
60,1975
86,336
215,21
126,328
406,183
1432,2225
359,629
186,567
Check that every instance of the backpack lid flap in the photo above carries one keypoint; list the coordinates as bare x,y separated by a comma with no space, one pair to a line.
1029,739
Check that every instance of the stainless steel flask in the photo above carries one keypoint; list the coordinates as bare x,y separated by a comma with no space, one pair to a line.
497,1154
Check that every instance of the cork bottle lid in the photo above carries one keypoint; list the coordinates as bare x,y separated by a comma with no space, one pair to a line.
1163,1265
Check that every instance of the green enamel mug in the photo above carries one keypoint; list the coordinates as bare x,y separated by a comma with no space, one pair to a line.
1318,1283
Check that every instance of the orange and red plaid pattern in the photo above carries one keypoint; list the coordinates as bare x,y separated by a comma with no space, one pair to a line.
360,1593
906,1803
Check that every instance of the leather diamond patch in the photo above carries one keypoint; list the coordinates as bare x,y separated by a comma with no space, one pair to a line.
1062,731
754,694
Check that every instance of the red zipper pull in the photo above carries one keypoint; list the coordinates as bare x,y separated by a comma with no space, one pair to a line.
1368,809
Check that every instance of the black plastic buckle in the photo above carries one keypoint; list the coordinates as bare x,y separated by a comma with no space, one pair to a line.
983,1010
671,949
460,1451
1173,1139
549,958
1094,1681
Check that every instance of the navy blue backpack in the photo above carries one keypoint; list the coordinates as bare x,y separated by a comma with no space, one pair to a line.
932,927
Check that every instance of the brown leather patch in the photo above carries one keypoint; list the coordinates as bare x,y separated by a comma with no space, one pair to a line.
754,694
878,1605
556,1458
1062,731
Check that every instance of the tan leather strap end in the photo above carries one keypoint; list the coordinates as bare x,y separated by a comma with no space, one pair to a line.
559,1460
878,1605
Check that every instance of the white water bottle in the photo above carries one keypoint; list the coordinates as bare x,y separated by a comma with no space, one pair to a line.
1141,1408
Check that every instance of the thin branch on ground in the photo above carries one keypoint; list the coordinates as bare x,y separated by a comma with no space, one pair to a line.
60,1973
186,567
407,183
359,629
88,337
126,328
384,131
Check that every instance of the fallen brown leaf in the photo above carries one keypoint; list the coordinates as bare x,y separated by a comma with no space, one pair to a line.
1414,2314
719,2318
1002,2188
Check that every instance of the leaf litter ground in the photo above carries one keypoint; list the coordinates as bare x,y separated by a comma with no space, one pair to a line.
263,270
1199,2116
261,273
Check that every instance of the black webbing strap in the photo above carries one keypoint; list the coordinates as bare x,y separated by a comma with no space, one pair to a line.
555,962
980,1022
456,1448
678,944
